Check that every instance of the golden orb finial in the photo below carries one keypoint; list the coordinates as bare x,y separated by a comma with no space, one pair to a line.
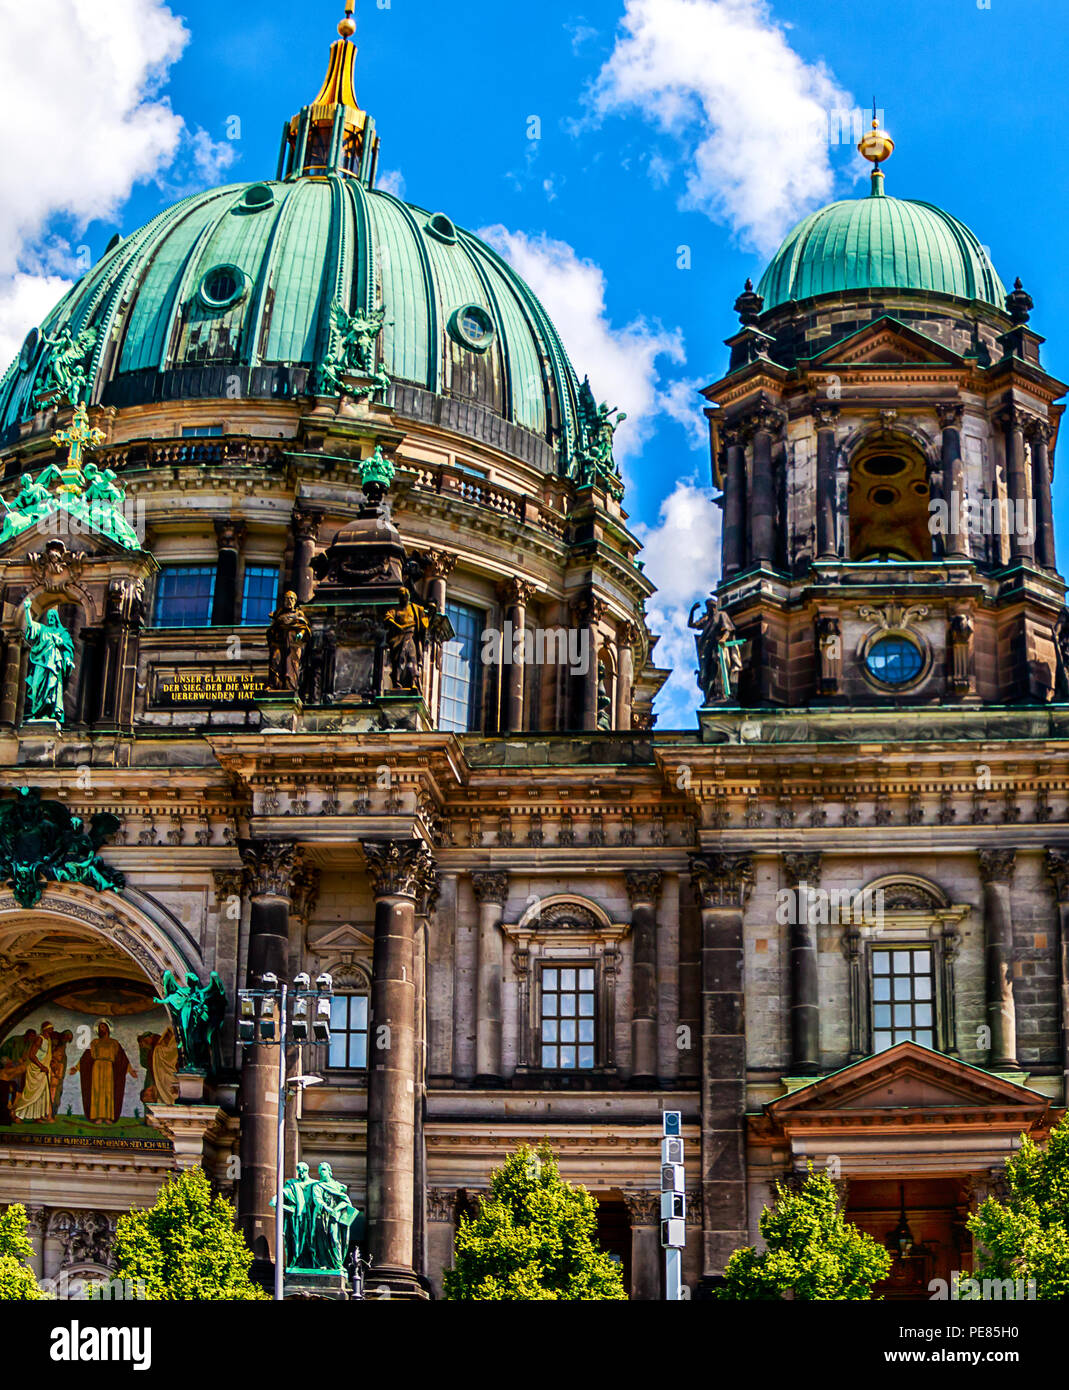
875,145
347,27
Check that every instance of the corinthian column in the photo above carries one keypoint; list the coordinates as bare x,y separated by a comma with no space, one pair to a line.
1021,524
722,884
305,535
400,872
1058,868
644,888
644,1208
491,892
996,871
1040,437
230,535
626,637
765,423
803,871
953,468
515,596
733,545
826,417
270,868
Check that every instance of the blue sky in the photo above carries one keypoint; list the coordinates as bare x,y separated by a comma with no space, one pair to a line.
638,137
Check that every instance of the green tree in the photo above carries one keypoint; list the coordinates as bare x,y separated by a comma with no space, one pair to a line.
534,1238
812,1252
1027,1237
186,1246
17,1280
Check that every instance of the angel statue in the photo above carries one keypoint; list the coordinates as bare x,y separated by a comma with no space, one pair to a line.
197,1011
67,373
353,352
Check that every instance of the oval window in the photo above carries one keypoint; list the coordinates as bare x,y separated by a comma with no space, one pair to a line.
29,349
258,197
222,286
441,227
894,661
472,327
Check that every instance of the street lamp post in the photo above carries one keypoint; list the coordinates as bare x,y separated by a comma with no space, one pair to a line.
264,1019
673,1204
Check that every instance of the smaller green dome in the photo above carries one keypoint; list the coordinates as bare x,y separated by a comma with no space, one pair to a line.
880,243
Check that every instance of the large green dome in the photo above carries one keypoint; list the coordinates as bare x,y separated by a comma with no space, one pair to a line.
230,293
880,243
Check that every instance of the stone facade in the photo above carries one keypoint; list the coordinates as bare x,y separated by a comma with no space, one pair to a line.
560,921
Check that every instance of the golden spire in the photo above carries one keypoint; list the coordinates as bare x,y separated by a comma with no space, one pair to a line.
333,133
876,146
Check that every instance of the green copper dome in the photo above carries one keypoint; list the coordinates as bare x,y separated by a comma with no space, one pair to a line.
880,243
231,293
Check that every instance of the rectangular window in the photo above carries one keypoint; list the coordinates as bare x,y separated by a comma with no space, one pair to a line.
458,709
348,1031
567,1018
259,595
903,997
184,596
201,431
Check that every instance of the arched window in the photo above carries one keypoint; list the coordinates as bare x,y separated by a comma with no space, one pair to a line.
889,497
900,943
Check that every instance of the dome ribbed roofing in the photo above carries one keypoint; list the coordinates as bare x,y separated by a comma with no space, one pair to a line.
282,252
880,243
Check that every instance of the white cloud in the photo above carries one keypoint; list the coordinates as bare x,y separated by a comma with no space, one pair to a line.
751,114
682,557
24,301
622,362
391,181
685,406
81,122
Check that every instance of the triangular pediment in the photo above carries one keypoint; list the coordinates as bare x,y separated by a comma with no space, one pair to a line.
43,540
887,342
906,1077
339,939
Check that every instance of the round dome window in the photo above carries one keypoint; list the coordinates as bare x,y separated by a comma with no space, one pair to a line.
472,327
258,197
894,661
222,286
29,349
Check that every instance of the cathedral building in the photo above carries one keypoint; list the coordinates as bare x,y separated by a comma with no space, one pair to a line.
324,650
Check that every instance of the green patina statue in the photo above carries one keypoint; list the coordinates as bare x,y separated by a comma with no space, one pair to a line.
76,494
197,1012
68,374
376,475
51,659
352,354
42,841
593,460
318,1220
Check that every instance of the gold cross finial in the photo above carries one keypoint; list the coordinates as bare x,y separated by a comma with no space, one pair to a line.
77,439
347,27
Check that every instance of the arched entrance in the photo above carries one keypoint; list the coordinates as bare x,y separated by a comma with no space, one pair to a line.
84,1047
